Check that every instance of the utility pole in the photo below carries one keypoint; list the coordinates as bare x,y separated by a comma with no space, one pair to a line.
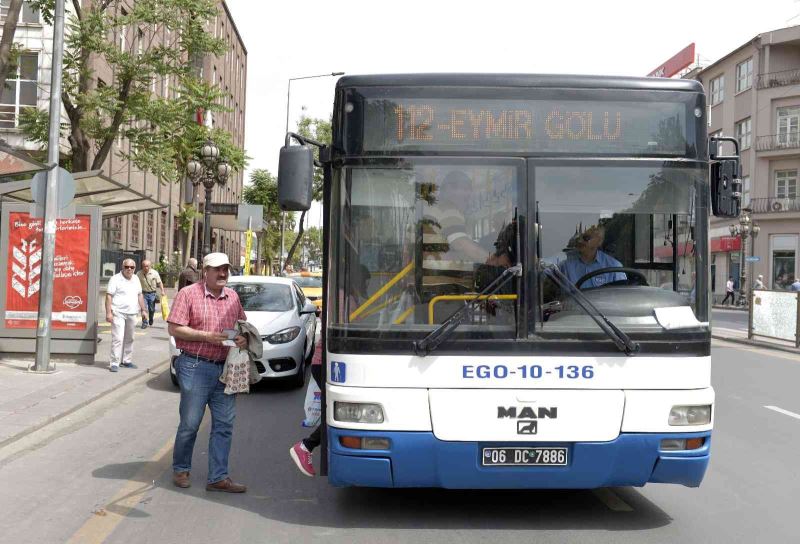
51,199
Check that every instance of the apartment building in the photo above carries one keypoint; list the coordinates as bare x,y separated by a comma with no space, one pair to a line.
147,225
754,95
24,85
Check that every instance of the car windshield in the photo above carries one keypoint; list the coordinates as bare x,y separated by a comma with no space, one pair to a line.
308,281
264,297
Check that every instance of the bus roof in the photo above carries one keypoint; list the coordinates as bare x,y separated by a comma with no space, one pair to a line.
521,80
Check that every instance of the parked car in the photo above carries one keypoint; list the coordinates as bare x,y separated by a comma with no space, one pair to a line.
286,320
311,284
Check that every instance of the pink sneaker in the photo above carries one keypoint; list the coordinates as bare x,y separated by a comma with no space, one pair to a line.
302,458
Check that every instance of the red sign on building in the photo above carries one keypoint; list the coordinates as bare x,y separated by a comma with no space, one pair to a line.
677,63
723,244
24,270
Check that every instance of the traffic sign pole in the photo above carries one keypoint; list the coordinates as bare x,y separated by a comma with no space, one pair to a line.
42,360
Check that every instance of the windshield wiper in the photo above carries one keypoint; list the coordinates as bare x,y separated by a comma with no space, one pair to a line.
620,339
443,331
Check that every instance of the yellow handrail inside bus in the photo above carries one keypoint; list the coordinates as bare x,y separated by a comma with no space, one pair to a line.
439,298
382,291
380,307
404,316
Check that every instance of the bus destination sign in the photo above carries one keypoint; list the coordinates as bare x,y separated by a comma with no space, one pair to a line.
525,125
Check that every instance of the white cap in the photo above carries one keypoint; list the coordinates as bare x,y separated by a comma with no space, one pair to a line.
761,276
216,259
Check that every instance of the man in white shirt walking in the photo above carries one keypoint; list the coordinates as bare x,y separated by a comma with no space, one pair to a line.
729,292
124,301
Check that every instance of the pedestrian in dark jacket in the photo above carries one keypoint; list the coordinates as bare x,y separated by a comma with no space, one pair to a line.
189,275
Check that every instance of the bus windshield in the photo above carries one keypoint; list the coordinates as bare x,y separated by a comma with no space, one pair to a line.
416,242
623,235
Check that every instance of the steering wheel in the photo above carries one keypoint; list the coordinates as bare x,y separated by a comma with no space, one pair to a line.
638,276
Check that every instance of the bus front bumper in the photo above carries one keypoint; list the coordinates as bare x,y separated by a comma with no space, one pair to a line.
419,459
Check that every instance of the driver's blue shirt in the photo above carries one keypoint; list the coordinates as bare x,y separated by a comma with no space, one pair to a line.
573,267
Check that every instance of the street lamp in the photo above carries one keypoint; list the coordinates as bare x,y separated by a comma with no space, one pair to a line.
210,170
746,228
288,95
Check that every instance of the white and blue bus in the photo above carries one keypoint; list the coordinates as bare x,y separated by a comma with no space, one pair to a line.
516,279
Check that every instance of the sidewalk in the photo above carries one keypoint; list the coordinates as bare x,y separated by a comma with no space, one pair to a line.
739,336
29,401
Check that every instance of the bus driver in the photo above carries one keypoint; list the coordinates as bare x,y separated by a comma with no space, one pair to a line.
588,257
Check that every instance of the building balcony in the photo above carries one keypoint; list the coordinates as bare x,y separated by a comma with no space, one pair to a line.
774,205
778,79
778,142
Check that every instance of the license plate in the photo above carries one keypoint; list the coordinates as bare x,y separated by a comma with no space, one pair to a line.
513,457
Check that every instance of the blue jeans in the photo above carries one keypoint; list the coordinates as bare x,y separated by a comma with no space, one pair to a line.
150,302
200,386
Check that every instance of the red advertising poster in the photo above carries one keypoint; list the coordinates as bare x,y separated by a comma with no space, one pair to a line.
24,269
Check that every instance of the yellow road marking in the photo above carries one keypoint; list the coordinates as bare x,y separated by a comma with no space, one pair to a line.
612,500
104,520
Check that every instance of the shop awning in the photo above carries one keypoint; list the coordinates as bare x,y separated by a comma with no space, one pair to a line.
93,188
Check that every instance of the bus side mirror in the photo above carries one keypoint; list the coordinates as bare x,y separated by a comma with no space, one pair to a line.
295,178
726,179
726,188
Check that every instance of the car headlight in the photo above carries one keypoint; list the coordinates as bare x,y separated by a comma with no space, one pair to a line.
283,336
358,412
690,415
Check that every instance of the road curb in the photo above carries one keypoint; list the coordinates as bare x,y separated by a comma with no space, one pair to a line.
52,419
755,343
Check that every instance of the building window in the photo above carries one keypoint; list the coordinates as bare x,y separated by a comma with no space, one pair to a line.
786,184
150,230
789,125
163,229
118,229
744,75
135,229
783,256
743,133
123,33
717,90
745,191
27,14
20,91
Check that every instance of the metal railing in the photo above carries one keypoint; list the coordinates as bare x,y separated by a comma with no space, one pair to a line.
774,205
774,142
778,79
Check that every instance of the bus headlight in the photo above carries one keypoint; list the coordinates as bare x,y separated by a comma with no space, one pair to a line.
690,415
358,412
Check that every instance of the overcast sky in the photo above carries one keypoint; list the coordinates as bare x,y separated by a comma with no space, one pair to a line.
293,39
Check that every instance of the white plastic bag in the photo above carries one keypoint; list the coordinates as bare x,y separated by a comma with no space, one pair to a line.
313,404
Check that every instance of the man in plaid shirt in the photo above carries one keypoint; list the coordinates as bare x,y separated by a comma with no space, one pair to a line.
199,315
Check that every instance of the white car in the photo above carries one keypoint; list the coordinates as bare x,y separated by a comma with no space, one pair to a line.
285,319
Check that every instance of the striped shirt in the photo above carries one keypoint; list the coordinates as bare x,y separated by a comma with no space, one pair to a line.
196,307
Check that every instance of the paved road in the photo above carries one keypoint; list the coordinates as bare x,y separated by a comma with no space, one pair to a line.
729,319
104,475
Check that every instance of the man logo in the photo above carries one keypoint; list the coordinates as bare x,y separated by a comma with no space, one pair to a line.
526,427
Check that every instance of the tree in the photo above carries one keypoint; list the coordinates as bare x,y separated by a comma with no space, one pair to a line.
154,43
319,130
263,190
7,41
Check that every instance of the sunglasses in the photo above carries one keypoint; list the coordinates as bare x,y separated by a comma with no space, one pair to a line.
129,267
